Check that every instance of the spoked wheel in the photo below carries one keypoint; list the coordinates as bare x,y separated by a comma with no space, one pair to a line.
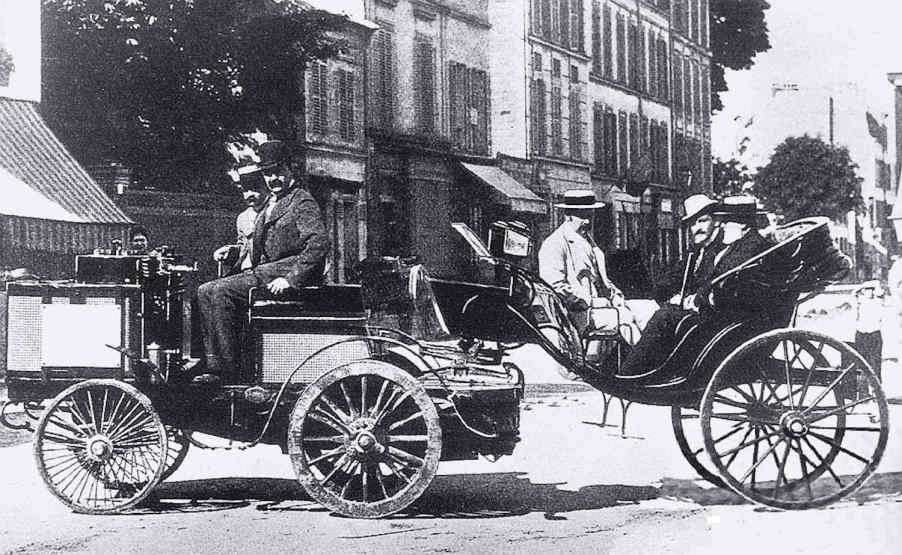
365,439
100,446
176,452
794,419
688,432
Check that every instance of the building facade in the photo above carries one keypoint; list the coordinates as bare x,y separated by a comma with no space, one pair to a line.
430,130
611,95
334,142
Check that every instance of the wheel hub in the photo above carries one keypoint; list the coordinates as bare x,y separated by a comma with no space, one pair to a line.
99,448
793,424
366,439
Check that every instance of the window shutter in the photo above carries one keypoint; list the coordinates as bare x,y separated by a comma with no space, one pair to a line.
382,79
346,128
621,49
576,125
538,121
622,137
557,141
563,35
596,38
424,65
318,104
608,43
598,137
576,25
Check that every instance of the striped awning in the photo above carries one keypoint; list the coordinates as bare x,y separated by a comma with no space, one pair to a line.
507,190
30,152
22,201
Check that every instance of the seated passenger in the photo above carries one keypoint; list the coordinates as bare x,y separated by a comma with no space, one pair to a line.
676,290
740,218
288,250
571,263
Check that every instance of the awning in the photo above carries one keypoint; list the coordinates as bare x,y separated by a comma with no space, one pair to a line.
22,201
506,189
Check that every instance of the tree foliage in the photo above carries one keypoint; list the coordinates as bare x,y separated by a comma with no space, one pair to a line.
162,86
808,177
7,66
729,177
738,33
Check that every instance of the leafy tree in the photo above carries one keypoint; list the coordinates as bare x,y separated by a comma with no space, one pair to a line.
729,177
162,86
808,177
738,33
7,66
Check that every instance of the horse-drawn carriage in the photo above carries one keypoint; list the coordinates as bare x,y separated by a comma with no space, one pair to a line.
367,387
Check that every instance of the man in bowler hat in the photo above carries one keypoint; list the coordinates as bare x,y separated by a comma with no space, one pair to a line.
288,250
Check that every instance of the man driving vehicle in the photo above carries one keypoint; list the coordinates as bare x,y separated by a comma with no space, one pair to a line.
288,250
571,262
675,291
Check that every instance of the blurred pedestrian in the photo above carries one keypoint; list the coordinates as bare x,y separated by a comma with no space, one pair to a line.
869,320
894,279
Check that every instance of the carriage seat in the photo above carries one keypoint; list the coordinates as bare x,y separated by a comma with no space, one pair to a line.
319,301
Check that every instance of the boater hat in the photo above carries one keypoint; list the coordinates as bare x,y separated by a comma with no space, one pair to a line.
738,208
579,198
697,205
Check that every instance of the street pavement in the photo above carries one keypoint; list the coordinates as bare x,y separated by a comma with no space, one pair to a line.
572,485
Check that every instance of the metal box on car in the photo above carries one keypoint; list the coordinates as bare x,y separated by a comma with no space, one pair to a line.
100,268
288,329
509,240
65,330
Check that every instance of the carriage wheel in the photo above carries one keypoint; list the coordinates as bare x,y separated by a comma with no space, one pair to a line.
687,431
794,419
365,439
176,452
100,446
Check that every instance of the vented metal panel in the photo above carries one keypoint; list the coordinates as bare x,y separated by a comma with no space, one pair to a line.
281,353
24,334
51,331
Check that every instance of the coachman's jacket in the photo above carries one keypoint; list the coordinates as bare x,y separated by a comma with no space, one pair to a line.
290,241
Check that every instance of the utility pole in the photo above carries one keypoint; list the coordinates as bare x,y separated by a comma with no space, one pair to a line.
830,122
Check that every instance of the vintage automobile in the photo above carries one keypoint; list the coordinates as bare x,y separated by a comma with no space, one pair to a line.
367,387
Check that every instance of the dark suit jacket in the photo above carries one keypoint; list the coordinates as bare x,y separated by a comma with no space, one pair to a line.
740,300
688,268
291,242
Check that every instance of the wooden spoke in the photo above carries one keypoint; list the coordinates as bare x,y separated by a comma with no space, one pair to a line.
330,439
773,446
337,413
842,449
406,438
326,456
347,396
411,418
744,439
363,411
745,444
817,417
